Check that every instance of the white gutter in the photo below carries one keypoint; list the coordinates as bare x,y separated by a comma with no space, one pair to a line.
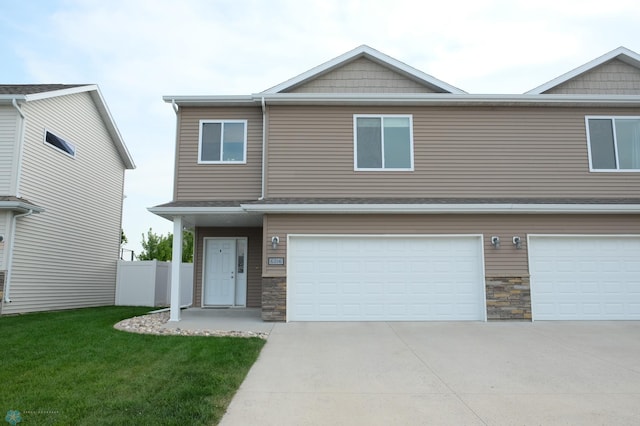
409,99
174,105
264,145
442,208
7,285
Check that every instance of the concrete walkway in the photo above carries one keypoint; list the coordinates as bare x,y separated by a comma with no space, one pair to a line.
543,373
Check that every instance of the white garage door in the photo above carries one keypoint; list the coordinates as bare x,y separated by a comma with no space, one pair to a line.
385,278
585,278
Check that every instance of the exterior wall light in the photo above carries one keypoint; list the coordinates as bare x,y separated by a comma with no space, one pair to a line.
495,241
274,242
517,242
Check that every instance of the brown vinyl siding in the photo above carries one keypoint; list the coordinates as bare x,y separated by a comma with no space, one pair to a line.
505,261
254,259
466,152
195,181
611,78
362,76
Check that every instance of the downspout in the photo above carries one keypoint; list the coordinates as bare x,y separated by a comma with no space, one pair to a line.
20,139
264,145
7,283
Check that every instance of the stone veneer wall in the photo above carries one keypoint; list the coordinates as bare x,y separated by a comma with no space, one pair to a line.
508,298
274,299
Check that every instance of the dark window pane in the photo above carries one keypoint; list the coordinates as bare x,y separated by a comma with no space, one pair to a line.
628,141
397,143
211,141
60,143
233,149
369,143
601,138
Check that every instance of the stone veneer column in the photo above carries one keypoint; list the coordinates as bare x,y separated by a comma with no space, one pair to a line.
274,299
508,298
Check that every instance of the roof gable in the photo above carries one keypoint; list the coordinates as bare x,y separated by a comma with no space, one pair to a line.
19,93
346,60
621,54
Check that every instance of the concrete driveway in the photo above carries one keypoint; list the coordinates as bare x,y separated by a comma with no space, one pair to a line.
542,373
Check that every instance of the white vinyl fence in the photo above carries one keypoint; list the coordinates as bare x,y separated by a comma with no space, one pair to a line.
148,283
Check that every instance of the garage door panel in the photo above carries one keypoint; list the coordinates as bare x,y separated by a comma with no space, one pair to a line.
588,278
387,278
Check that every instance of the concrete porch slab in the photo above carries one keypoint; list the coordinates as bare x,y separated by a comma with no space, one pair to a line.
224,319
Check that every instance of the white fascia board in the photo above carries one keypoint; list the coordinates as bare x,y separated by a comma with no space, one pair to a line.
371,53
180,211
448,99
20,206
406,99
61,92
622,53
8,99
110,123
206,100
443,208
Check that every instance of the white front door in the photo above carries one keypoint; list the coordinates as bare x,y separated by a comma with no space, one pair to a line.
224,272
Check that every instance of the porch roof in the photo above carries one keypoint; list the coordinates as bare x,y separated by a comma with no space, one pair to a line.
231,213
18,204
222,213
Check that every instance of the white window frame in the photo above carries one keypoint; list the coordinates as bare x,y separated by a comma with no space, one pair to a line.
613,119
222,122
56,134
381,116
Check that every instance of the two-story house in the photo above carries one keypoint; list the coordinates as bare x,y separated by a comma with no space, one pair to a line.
62,166
365,189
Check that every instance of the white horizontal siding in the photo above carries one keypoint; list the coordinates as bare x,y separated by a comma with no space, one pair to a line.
8,133
66,257
5,217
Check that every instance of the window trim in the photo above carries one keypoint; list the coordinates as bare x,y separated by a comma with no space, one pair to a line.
222,122
65,139
613,119
382,169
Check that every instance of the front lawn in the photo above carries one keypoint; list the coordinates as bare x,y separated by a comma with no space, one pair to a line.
74,368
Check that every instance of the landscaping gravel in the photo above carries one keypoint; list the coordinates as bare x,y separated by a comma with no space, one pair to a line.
155,324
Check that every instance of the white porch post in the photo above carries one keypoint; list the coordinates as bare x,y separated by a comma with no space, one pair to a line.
176,261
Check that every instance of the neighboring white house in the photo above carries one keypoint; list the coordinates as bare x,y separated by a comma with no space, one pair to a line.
62,166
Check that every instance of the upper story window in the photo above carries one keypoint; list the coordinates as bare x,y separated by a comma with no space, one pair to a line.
59,143
383,142
614,143
222,141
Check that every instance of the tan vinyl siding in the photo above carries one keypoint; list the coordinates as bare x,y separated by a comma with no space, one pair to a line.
217,181
505,261
66,257
254,259
361,76
9,125
459,152
611,78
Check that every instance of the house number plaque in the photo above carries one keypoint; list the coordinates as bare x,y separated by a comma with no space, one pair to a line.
275,261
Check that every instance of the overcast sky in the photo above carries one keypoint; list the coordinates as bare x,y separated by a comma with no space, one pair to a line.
139,50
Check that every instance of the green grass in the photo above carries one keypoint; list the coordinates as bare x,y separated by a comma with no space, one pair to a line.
74,368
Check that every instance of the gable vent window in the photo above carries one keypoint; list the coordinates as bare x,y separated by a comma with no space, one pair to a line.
383,142
222,141
60,144
614,143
